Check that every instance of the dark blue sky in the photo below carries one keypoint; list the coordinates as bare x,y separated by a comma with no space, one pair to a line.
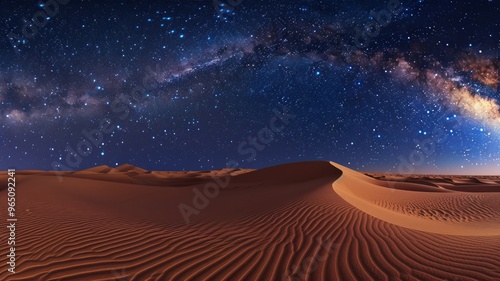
391,86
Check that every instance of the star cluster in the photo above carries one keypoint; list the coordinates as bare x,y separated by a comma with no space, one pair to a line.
394,86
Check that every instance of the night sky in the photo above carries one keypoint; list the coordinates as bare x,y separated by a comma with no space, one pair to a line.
399,87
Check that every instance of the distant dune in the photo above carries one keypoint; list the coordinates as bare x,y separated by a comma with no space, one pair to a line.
299,221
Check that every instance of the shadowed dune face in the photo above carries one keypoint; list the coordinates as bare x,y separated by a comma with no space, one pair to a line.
300,221
291,173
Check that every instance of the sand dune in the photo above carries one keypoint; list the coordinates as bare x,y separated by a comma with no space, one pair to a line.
454,213
101,169
129,168
300,221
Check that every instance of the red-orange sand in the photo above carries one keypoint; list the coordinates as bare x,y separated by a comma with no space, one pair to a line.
300,221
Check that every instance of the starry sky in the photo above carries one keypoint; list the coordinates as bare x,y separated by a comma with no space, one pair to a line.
384,86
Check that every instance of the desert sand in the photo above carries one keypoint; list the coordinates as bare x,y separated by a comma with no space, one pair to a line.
299,221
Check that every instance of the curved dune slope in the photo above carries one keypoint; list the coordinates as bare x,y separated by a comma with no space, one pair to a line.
408,205
300,221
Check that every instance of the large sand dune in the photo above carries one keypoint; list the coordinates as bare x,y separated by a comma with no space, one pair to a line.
300,221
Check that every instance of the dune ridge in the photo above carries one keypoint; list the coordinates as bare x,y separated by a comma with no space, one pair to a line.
299,221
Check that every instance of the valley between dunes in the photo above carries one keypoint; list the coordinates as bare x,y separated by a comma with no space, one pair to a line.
299,221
